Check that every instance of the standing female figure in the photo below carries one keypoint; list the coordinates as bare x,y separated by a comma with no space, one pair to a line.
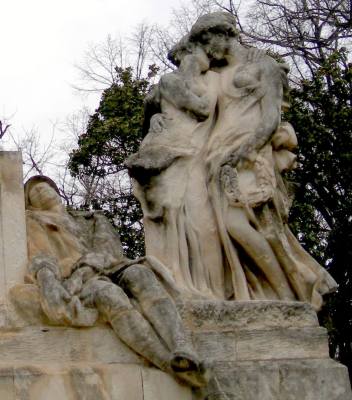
225,234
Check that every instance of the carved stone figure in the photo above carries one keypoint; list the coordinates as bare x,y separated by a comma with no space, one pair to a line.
209,173
79,274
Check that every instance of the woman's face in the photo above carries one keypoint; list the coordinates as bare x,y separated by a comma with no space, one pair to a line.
216,44
43,196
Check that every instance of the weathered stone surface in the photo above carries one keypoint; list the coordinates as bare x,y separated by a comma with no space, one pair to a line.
282,344
157,386
88,382
229,315
255,360
306,378
13,243
280,380
263,344
65,345
126,382
79,277
7,388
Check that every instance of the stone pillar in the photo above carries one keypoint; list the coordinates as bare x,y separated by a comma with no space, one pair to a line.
13,245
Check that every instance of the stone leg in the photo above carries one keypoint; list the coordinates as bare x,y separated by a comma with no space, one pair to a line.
129,325
158,308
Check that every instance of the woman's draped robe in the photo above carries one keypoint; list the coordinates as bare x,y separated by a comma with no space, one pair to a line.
185,203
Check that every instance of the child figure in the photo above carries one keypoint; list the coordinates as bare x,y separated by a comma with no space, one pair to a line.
174,110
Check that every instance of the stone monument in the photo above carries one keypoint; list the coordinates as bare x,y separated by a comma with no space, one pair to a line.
209,173
209,177
13,242
223,304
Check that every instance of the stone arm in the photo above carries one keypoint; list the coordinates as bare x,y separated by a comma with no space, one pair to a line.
53,296
181,91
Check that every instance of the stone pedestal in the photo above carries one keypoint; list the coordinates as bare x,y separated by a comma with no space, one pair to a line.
43,362
13,241
257,351
265,350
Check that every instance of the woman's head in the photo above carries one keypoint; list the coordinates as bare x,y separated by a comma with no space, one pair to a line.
41,193
214,32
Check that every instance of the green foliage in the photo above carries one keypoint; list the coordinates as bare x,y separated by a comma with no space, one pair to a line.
321,215
114,132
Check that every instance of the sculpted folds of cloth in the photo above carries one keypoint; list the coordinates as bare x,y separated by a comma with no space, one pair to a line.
209,171
77,274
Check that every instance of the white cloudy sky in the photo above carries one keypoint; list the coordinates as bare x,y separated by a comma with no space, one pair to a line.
40,42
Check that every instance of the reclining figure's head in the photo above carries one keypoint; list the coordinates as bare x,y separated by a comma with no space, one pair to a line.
41,193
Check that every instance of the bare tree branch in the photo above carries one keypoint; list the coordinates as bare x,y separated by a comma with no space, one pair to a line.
3,128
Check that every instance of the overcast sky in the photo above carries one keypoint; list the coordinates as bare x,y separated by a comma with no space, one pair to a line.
41,40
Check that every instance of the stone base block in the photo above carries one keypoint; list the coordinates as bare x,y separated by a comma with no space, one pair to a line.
280,380
256,351
265,350
88,382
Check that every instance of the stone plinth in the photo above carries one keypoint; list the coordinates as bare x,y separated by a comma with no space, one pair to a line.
43,362
257,351
13,242
88,382
265,350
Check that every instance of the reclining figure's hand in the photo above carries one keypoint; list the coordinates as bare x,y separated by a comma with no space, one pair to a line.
54,298
98,261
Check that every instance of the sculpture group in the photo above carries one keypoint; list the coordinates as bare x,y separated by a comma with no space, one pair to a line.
209,173
209,176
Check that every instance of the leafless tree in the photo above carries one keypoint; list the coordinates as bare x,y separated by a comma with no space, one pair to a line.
49,158
140,48
302,32
36,156
164,37
306,32
4,126
97,71
81,189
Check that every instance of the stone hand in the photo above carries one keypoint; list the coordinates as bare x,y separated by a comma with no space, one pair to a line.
54,297
95,260
157,123
75,282
43,261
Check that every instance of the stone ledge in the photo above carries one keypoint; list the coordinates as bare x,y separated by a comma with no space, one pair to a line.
65,345
227,315
248,349
232,331
100,344
280,380
267,344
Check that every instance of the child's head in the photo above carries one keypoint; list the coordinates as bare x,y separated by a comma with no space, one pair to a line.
180,50
185,48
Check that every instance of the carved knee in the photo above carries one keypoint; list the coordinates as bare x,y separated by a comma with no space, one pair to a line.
138,279
110,299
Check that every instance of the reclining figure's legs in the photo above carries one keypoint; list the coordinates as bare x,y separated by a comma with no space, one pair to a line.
129,325
158,307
